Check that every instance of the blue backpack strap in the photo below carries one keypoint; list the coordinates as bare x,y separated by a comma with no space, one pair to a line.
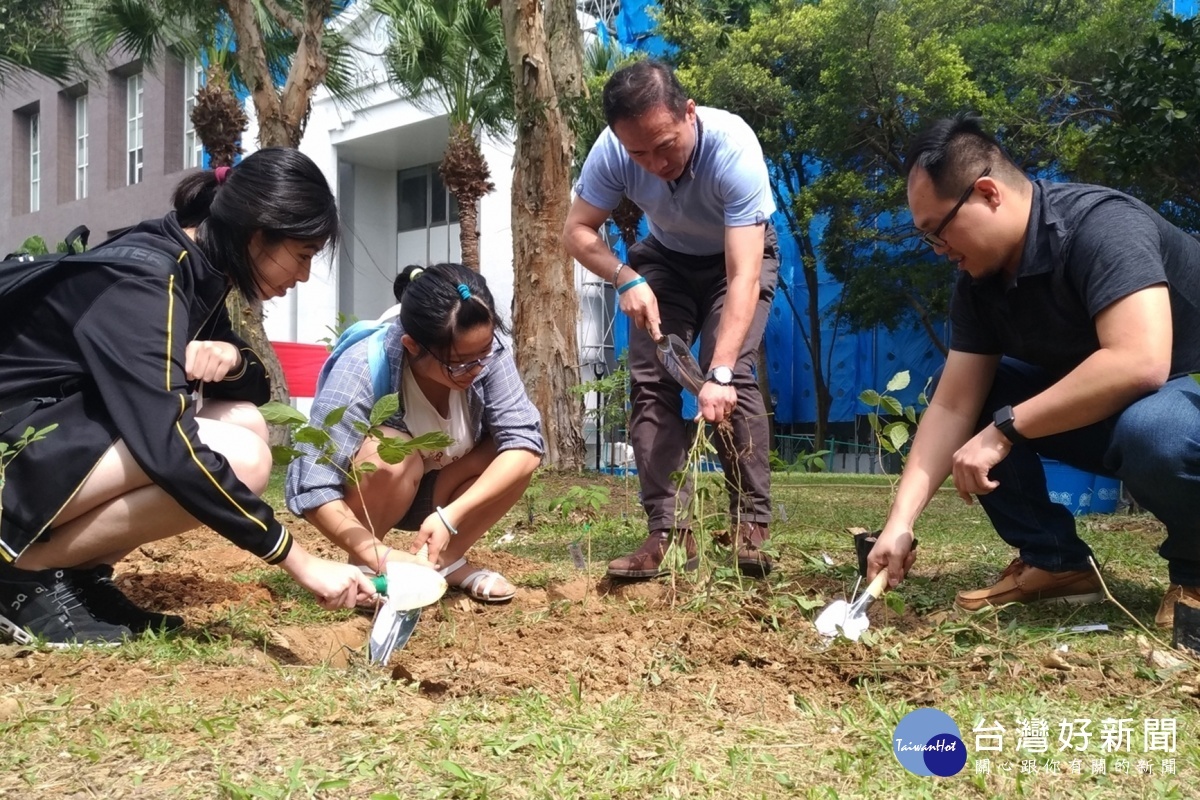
377,362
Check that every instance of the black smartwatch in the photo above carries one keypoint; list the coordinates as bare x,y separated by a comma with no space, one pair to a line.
722,376
1005,422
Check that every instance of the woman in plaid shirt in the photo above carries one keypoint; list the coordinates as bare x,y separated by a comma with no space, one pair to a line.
453,375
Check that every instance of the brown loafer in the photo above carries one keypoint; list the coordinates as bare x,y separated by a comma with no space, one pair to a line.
1022,583
647,560
749,541
1188,595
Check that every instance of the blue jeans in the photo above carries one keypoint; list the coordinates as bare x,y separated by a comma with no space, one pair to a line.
1153,446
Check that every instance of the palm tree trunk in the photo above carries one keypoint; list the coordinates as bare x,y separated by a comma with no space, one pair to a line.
468,231
546,304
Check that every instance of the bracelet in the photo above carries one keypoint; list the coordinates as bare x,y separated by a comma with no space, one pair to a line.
442,516
638,281
617,273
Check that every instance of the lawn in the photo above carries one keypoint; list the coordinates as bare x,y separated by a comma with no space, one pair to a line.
698,685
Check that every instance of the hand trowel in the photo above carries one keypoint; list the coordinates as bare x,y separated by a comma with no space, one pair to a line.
407,589
678,359
850,618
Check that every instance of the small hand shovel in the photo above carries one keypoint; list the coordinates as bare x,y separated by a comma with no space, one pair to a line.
678,359
850,619
408,588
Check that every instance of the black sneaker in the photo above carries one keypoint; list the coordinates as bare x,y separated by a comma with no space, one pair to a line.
45,604
108,603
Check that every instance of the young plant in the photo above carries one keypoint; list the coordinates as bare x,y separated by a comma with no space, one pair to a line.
391,449
10,451
893,424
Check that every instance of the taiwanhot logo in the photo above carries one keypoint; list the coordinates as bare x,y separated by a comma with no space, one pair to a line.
927,742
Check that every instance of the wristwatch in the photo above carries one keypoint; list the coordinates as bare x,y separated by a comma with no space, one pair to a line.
722,376
1005,422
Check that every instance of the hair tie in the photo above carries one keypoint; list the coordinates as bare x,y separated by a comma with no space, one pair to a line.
416,271
464,291
222,174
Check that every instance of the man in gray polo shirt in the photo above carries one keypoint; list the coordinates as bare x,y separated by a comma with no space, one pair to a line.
708,267
1075,325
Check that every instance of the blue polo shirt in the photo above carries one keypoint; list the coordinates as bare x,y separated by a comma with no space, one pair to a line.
725,185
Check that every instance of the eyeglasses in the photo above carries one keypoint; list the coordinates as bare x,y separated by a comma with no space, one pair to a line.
935,239
456,371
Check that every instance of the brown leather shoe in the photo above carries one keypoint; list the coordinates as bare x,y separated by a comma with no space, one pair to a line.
647,560
749,540
1022,583
1188,595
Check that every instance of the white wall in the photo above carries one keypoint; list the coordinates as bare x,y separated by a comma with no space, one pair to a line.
371,243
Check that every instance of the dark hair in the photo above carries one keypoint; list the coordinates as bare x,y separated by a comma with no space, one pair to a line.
432,307
641,87
955,150
277,190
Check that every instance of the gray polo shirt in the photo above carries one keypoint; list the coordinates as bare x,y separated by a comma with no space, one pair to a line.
1085,248
726,186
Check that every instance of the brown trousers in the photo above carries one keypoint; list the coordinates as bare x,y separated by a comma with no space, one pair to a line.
691,297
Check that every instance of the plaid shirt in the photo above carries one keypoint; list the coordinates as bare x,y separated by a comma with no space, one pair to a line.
496,400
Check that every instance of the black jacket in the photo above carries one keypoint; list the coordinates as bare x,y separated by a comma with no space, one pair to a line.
105,346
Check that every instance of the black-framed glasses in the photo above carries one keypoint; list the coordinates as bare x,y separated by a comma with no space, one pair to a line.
935,239
456,371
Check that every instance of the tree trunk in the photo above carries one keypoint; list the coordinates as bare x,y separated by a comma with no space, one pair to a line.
545,303
282,114
820,386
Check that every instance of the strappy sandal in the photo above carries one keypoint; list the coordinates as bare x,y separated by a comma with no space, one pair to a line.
479,583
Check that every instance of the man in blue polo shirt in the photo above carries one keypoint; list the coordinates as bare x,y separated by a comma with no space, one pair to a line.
709,267
1075,325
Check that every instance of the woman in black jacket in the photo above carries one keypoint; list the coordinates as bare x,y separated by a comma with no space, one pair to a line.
133,356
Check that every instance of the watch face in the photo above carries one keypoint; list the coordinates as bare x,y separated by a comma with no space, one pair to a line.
722,375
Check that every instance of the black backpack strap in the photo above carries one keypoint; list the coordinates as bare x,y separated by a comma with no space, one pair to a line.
79,234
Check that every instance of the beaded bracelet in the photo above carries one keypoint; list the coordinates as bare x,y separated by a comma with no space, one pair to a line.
617,272
638,281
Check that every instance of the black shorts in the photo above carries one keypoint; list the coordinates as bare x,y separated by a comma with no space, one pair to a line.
422,504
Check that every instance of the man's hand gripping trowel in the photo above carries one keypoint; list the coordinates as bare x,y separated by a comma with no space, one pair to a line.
849,618
407,588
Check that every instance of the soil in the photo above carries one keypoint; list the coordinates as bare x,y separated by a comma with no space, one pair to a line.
601,636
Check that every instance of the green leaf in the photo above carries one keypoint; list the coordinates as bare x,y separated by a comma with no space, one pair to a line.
455,770
899,381
276,413
284,455
895,602
334,417
332,783
315,436
385,408
897,434
869,397
891,405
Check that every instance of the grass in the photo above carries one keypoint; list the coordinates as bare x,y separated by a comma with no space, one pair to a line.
208,714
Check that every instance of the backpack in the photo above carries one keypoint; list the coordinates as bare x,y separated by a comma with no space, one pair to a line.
23,277
375,332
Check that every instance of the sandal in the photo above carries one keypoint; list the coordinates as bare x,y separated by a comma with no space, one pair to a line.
479,583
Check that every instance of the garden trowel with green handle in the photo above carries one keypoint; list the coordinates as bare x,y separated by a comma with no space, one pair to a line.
678,359
407,588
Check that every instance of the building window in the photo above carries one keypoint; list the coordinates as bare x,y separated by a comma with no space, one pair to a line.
423,201
35,161
134,89
193,79
81,147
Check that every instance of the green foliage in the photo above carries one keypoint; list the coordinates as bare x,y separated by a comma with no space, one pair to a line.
1150,99
611,414
391,449
835,90
10,451
449,56
590,500
343,322
806,461
33,41
893,424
